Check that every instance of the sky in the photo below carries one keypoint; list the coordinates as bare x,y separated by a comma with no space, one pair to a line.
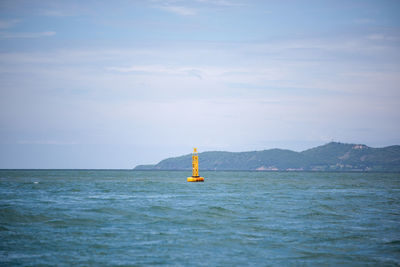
114,84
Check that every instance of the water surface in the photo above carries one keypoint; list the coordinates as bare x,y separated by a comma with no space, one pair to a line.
96,217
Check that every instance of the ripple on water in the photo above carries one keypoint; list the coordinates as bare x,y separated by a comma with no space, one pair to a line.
234,218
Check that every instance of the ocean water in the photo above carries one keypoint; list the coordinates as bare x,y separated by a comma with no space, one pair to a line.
134,218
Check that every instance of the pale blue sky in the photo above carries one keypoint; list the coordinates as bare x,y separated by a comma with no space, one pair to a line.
113,84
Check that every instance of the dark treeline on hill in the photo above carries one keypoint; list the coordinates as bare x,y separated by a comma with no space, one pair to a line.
330,157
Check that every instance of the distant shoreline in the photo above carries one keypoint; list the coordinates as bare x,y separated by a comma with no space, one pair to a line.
334,156
177,170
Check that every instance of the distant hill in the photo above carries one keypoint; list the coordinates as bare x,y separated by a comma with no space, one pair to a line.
333,156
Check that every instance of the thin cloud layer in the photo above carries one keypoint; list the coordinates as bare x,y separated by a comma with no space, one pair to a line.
163,76
180,10
22,35
5,24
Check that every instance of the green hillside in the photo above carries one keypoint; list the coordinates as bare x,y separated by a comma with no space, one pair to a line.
330,157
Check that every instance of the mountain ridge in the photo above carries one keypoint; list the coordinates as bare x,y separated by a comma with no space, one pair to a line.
333,156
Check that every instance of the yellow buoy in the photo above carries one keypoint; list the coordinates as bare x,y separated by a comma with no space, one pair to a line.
195,168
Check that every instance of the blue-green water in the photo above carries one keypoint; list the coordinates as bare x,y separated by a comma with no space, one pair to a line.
234,218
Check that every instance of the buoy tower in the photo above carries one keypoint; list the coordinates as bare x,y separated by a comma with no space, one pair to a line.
195,168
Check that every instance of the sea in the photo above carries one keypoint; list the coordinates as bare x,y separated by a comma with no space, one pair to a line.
147,218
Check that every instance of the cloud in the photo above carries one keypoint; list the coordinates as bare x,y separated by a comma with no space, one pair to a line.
180,10
363,21
44,142
225,3
383,37
215,73
159,70
55,13
376,37
178,7
22,35
258,86
5,24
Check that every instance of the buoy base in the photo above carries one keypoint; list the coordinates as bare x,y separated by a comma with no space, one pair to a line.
195,179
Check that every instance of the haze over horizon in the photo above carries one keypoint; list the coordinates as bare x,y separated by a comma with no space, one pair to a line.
116,84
